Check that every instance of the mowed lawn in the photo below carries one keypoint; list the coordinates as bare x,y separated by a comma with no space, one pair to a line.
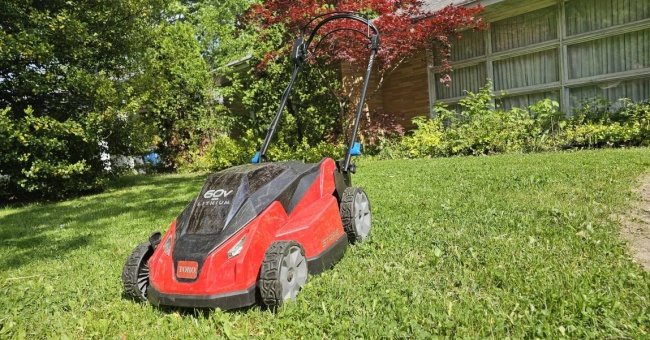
504,246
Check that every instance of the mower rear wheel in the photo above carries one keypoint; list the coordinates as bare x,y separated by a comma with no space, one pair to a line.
355,214
135,275
284,271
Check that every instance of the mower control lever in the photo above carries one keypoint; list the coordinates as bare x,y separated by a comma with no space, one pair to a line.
299,51
374,42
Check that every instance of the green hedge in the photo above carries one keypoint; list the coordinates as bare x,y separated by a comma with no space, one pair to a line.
480,128
225,152
43,157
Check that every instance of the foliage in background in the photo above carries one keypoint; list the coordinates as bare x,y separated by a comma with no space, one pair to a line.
226,152
179,101
195,41
480,128
134,77
46,156
107,78
176,91
378,128
310,126
397,21
313,113
65,71
599,123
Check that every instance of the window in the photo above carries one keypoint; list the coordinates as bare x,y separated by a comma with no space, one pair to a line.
470,78
526,70
472,45
568,52
619,53
637,89
526,100
524,30
584,16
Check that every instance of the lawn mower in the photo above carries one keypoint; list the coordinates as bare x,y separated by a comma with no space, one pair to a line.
255,232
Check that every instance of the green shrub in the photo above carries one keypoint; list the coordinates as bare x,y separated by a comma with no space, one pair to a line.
493,132
599,123
41,156
480,128
226,152
427,139
594,135
306,153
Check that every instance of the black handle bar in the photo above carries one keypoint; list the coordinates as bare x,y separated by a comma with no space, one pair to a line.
299,53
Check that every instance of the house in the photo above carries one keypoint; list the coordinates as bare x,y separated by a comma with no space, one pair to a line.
565,50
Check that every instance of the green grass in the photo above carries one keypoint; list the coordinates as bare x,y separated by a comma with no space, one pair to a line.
504,246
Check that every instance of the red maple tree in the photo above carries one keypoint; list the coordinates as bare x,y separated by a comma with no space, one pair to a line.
406,28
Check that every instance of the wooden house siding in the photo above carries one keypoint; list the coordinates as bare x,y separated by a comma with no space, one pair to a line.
352,81
405,90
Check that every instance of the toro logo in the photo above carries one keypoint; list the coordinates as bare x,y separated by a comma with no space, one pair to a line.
187,270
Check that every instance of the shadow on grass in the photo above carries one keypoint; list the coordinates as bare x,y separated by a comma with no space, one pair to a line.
39,247
50,230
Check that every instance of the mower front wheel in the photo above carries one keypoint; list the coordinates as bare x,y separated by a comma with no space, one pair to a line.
283,272
135,275
355,214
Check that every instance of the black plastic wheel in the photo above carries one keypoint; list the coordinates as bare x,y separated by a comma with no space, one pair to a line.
135,275
355,214
284,271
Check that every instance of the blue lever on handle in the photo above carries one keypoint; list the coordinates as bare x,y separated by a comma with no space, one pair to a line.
356,149
256,158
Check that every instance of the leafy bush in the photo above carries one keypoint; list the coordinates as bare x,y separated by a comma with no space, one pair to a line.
482,129
312,113
226,152
428,139
599,123
594,135
109,77
379,128
319,108
306,153
40,156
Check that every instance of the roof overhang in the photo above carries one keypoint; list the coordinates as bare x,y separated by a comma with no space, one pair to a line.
435,5
474,3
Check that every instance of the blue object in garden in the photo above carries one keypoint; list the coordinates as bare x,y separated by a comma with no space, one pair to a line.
151,159
356,149
256,158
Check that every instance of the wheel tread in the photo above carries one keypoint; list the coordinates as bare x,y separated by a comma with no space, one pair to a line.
141,253
269,279
347,212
